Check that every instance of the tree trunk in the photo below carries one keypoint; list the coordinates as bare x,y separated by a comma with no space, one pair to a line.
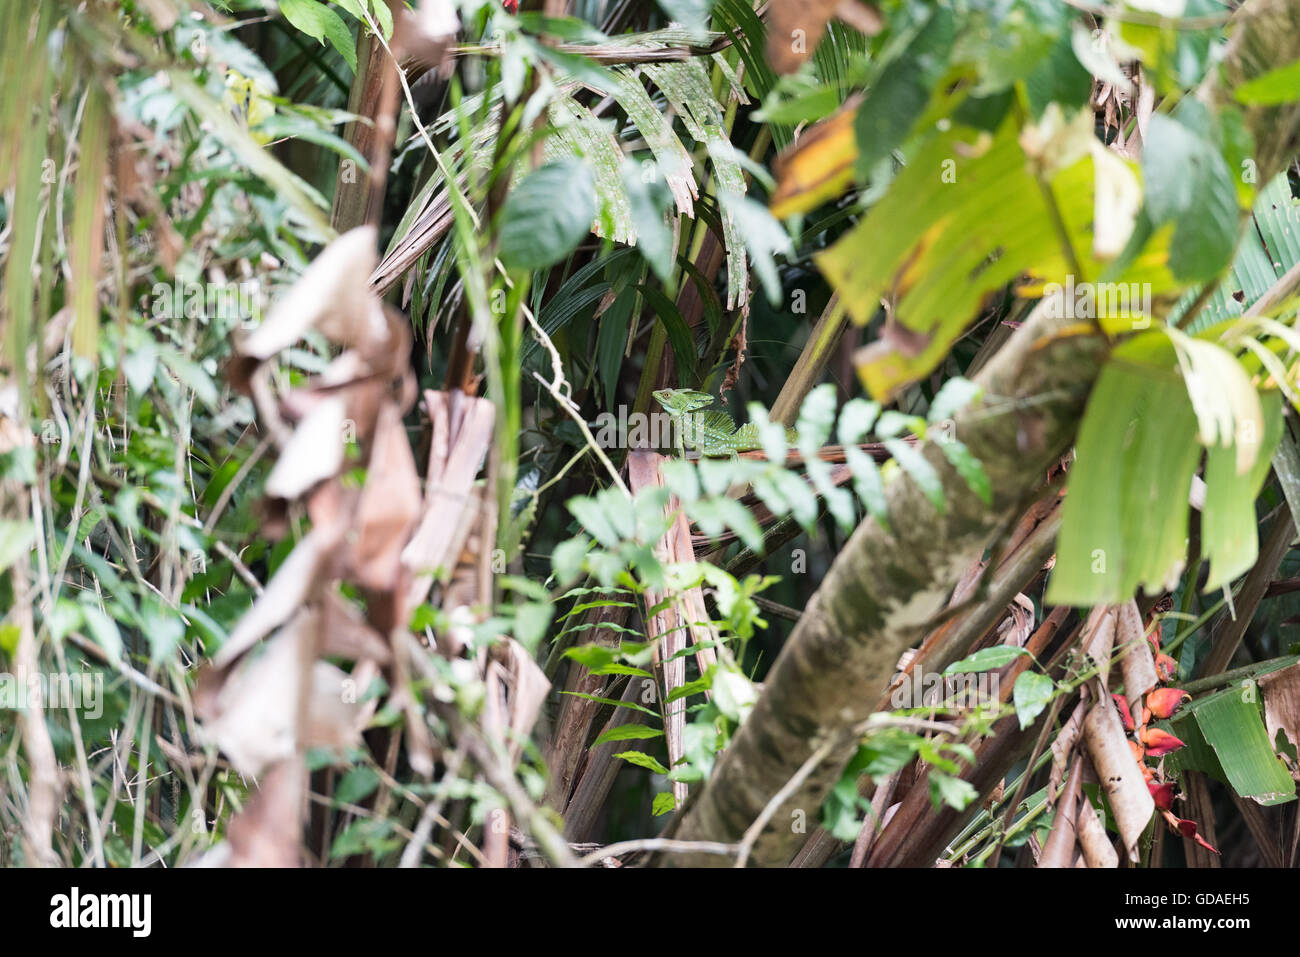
884,590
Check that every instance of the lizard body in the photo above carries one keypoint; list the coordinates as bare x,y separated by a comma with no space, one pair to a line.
712,433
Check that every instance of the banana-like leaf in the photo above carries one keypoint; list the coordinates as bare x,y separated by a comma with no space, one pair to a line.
962,219
1125,519
1227,739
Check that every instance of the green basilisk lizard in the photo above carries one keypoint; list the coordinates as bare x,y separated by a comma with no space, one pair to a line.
712,433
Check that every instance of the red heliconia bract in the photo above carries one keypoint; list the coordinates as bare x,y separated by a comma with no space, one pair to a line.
1188,829
1163,702
1159,743
1124,714
1162,794
1166,667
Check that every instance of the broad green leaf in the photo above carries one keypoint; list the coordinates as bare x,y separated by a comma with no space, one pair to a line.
365,836
321,23
1125,518
162,627
692,14
1030,695
1189,184
531,621
356,785
719,511
1233,728
66,616
944,236
591,656
1228,530
953,791
1279,85
103,630
772,435
1263,256
596,518
816,418
616,669
567,558
900,94
664,803
1009,41
642,760
547,214
856,420
968,467
627,732
986,659
734,694
697,686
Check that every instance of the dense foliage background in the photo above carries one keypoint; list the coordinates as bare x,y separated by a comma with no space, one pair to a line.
610,432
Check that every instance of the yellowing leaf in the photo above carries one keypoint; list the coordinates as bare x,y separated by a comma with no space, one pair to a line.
819,167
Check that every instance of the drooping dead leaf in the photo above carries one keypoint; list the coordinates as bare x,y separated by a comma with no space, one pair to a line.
1097,848
1136,662
1121,778
253,712
427,228
344,634
1019,624
795,27
470,582
819,167
388,509
332,295
449,507
1098,640
296,580
1281,691
516,690
1059,851
1063,744
313,453
266,833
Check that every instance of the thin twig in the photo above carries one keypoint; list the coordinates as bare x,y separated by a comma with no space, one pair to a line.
566,403
658,845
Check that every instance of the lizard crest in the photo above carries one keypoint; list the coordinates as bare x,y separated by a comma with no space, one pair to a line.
681,401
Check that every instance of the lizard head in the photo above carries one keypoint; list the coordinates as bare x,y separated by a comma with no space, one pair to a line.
682,400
